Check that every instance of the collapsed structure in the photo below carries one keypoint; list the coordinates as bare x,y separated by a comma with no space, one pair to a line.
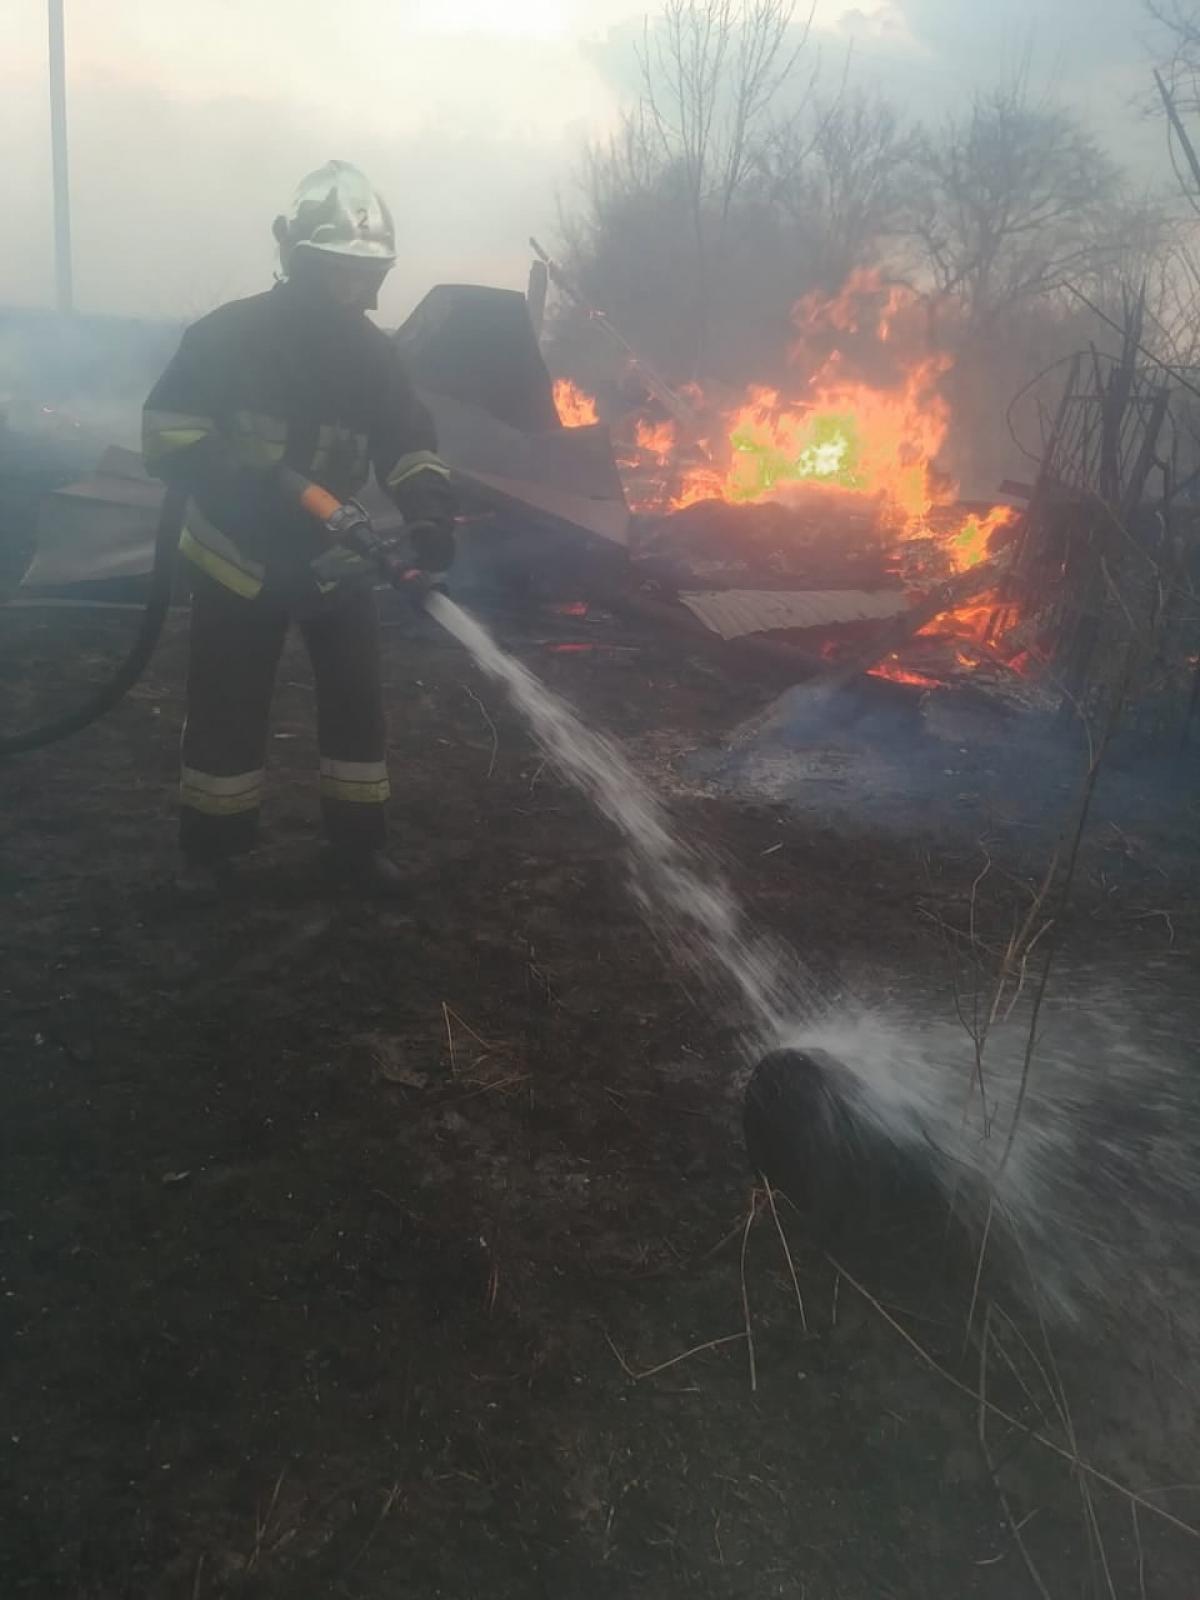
812,531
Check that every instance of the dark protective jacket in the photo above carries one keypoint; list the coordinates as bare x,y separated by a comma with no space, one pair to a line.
276,380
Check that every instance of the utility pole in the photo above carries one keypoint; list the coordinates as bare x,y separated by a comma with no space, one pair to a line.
65,294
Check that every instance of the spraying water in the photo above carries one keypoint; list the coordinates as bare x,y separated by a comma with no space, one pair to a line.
697,910
1099,1195
1099,1188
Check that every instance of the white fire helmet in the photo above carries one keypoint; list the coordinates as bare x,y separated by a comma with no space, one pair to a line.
337,212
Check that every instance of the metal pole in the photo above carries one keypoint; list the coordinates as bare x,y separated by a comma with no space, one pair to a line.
65,296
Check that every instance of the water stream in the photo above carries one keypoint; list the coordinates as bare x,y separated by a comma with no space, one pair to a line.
1100,1186
679,893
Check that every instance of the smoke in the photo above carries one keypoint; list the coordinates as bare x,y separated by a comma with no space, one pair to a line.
187,137
187,225
82,380
179,162
189,126
1088,39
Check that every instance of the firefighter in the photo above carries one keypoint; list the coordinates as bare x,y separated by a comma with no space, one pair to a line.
290,388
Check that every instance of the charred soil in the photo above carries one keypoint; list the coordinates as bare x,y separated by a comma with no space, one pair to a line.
340,1242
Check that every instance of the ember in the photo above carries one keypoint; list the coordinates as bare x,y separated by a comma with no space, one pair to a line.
891,669
984,623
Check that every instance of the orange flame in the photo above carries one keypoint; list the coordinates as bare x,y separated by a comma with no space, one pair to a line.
576,408
984,621
847,310
862,417
656,438
837,432
878,438
972,542
891,669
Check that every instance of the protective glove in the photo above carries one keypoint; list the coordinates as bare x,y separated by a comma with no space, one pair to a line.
433,545
351,526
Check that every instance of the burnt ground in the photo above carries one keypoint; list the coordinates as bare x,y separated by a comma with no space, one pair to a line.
339,1244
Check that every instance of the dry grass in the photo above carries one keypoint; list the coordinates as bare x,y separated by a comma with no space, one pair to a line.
1069,1455
675,1361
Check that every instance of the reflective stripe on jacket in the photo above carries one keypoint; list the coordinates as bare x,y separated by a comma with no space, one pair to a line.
278,380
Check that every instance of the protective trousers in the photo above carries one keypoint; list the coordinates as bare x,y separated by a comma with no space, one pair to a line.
234,651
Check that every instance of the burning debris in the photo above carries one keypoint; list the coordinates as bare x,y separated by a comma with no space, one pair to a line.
826,483
830,482
862,413
575,408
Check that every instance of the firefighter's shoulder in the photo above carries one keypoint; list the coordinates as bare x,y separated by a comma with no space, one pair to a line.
230,321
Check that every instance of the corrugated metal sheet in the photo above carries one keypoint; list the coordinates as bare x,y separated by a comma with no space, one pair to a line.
732,613
568,474
101,527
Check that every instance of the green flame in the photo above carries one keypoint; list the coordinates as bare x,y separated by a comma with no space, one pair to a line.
971,543
829,454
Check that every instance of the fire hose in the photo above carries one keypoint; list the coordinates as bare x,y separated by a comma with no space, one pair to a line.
807,1129
345,523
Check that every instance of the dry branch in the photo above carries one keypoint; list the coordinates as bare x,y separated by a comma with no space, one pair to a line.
1071,1457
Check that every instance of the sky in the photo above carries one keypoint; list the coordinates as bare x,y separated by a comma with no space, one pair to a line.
191,124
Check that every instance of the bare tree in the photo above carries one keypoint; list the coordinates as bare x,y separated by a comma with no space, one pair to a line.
629,164
1007,201
839,177
1174,267
711,72
1143,253
627,243
1179,23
